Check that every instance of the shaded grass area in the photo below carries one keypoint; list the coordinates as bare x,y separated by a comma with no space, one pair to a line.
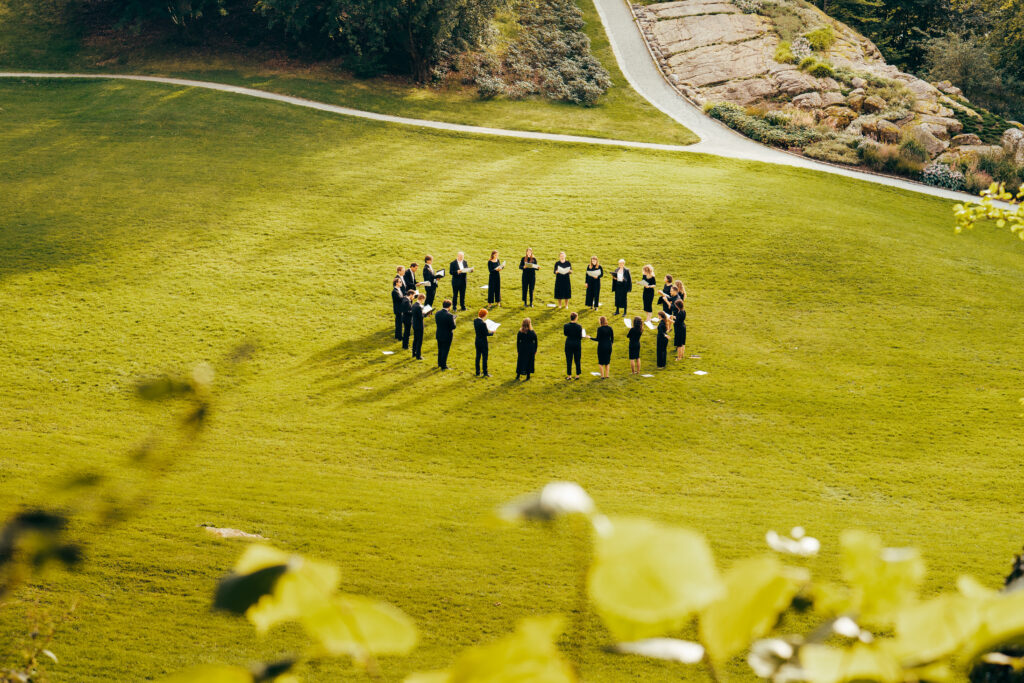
47,36
863,364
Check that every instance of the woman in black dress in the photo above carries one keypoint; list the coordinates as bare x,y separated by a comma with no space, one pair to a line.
666,302
680,329
634,344
563,286
494,268
680,289
605,338
650,284
526,346
594,275
529,276
664,324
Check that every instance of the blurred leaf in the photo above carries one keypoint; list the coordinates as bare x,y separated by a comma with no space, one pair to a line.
236,593
215,673
823,664
162,388
883,580
648,578
275,671
356,626
1002,624
931,630
529,654
757,591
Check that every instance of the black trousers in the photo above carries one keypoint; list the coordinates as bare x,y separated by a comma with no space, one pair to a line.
406,329
443,347
459,290
398,326
621,299
417,343
662,351
431,293
573,353
481,354
528,290
593,297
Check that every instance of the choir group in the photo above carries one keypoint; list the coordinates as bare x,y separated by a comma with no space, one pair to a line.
413,301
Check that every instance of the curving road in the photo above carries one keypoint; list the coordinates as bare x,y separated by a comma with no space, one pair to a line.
641,72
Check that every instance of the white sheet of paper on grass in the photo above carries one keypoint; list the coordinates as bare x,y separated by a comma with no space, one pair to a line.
485,287
552,305
650,326
491,325
647,375
388,353
699,372
596,374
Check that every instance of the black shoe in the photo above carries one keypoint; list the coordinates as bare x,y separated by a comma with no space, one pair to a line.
486,375
478,374
517,378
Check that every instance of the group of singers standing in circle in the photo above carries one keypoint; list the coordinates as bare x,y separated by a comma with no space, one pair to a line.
411,306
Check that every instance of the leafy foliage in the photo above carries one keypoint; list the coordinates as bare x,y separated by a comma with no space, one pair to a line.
821,39
778,134
1012,216
943,175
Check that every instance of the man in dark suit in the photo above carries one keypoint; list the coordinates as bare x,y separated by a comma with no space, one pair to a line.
430,278
397,296
444,321
573,332
400,274
410,276
407,317
622,285
417,326
457,269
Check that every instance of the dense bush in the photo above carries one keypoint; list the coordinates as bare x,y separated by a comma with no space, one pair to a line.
941,175
913,150
821,70
841,149
784,53
1001,168
771,132
488,86
821,39
976,182
887,159
990,127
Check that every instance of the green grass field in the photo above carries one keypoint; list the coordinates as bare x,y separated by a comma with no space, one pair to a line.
863,364
42,35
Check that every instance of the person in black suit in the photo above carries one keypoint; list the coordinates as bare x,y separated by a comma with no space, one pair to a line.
593,276
430,278
563,281
526,349
573,332
407,302
529,276
494,269
650,284
410,276
397,297
605,338
444,322
400,274
634,334
482,333
458,269
417,326
622,285
664,325
666,301
680,329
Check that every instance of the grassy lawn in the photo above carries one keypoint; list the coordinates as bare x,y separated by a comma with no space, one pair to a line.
39,35
863,364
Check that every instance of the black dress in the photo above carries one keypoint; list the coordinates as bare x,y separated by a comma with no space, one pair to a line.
529,279
526,346
594,276
493,282
634,341
648,294
605,338
680,328
666,302
662,344
563,286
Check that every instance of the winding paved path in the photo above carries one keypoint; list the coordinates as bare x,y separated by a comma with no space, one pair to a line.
641,72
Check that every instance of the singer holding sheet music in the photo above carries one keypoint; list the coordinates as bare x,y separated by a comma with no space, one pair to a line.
494,269
430,278
650,284
665,322
593,276
573,332
563,285
444,322
605,338
397,296
457,270
635,332
666,301
622,285
482,333
417,326
526,349
680,329
407,301
410,276
528,264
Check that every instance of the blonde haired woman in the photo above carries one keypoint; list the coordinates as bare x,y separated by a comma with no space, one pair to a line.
650,284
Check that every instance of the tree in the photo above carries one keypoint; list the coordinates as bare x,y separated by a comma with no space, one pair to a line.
856,13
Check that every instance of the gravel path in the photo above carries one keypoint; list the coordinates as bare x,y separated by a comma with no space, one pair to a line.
639,68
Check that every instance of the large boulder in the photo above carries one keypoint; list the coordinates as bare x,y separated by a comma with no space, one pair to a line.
888,132
964,140
1013,145
809,100
873,104
744,92
952,125
972,153
855,102
839,117
830,98
923,134
858,82
795,82
948,88
941,132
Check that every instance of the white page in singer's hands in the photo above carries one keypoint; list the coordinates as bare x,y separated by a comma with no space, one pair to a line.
491,325
585,334
427,309
650,325
628,322
564,271
440,273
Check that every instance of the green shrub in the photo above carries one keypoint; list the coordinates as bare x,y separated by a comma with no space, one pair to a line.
822,38
1001,168
912,150
807,63
887,159
775,131
977,182
783,53
839,150
821,70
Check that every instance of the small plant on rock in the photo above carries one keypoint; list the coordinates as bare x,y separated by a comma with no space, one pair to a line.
821,39
784,53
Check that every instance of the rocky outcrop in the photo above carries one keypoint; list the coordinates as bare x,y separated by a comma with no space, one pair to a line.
1013,145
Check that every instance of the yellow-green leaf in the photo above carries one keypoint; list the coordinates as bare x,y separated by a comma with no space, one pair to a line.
757,590
214,673
356,626
931,630
823,664
1002,623
649,578
303,588
882,580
